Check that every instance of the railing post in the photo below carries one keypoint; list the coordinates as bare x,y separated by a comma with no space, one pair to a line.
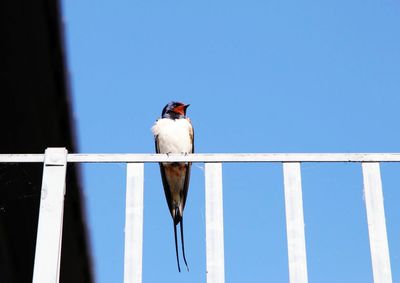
49,233
214,224
134,223
295,223
376,223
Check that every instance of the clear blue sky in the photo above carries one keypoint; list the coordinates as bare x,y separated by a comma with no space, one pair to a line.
261,76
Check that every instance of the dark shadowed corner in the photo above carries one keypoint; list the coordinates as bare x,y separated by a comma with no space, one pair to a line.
36,113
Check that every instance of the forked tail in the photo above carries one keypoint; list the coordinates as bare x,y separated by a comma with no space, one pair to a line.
179,219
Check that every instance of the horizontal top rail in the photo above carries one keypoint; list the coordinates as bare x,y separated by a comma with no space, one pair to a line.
208,157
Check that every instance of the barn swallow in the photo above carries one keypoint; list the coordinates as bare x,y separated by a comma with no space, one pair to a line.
173,133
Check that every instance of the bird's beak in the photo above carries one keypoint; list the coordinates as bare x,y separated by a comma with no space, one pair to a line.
186,106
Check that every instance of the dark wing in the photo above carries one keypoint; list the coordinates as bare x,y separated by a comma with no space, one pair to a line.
188,167
167,191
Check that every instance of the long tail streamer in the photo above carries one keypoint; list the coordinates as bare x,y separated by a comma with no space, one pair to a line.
176,249
183,245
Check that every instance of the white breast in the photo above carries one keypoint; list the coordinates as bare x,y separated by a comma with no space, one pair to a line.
173,135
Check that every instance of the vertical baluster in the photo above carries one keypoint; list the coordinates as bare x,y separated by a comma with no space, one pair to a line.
134,223
214,223
376,223
49,234
295,223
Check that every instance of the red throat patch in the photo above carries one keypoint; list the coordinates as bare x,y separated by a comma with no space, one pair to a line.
180,109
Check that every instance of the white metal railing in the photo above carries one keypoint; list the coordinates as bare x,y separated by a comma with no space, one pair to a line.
48,246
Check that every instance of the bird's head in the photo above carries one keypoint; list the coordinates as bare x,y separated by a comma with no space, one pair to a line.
174,110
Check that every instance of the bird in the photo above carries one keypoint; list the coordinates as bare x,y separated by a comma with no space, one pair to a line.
173,133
